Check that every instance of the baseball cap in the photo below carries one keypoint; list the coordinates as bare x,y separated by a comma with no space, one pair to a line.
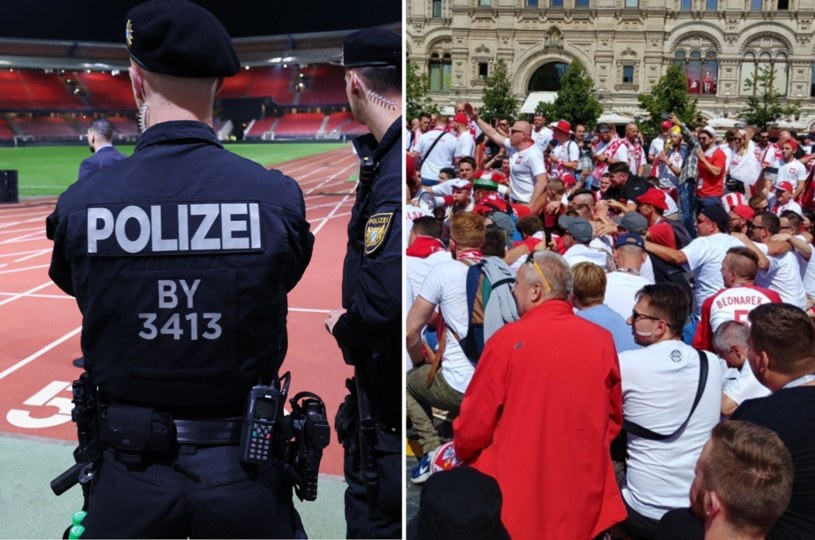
793,144
633,222
568,179
654,197
485,183
179,38
371,47
460,184
630,239
785,186
460,118
578,227
710,131
717,215
603,128
667,124
676,130
744,212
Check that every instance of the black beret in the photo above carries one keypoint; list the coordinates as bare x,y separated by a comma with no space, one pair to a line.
372,47
177,37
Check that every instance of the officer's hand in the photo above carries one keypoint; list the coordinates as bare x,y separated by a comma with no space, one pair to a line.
332,319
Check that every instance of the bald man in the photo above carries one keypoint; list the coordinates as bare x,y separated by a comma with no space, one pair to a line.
527,171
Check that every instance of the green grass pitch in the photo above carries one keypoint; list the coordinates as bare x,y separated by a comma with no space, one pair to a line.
48,170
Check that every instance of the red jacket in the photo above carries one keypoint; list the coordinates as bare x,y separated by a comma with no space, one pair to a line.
539,416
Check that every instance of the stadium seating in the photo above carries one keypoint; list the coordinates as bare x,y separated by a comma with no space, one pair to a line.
106,92
327,86
299,125
124,125
5,131
49,92
47,127
260,127
337,121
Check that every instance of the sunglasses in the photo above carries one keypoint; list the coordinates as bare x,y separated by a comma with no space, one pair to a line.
531,259
635,316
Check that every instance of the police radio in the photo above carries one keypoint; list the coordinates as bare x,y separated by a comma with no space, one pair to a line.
262,408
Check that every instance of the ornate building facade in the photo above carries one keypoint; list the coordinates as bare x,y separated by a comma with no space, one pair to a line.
625,45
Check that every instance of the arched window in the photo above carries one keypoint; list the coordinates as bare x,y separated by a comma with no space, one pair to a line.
440,72
697,57
762,54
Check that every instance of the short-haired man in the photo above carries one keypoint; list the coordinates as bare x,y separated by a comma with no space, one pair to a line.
742,484
466,142
466,168
660,385
738,297
730,342
712,168
780,272
782,357
785,198
541,133
636,153
528,176
441,382
100,141
625,282
436,148
625,188
609,149
564,490
703,256
790,169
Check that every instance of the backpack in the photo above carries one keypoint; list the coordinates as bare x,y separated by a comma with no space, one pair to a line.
480,290
683,238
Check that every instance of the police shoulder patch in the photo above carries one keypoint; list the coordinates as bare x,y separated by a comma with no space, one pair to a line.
376,229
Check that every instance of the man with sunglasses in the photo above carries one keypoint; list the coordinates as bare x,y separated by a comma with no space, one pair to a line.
523,422
660,384
527,171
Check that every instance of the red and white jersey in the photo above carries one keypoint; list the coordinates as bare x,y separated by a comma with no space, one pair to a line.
772,156
731,304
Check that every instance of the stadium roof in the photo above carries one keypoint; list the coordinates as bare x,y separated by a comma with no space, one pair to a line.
104,21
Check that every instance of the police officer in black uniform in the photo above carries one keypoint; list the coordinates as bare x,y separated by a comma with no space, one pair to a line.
368,329
180,258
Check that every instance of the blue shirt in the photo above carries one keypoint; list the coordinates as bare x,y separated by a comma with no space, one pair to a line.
607,318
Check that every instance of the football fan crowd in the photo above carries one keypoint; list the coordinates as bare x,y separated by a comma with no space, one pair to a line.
621,329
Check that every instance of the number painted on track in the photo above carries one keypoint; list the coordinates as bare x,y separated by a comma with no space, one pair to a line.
47,397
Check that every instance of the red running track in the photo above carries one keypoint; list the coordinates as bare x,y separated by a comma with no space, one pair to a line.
40,325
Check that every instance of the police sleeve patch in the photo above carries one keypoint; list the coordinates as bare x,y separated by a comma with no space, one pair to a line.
375,231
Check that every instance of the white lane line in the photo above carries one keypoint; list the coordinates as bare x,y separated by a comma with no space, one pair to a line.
25,361
330,215
45,296
24,294
309,310
25,269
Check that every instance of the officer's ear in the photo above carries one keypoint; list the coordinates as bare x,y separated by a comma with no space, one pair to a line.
356,83
137,82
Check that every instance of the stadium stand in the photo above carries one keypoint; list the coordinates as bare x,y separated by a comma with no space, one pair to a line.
106,92
47,127
259,127
299,125
5,131
124,125
337,121
327,86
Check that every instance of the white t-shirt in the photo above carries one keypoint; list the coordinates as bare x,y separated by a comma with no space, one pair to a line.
542,137
744,386
734,304
446,287
579,253
417,268
440,157
705,255
568,151
621,291
524,166
784,277
791,205
659,385
809,278
466,145
656,147
728,154
792,172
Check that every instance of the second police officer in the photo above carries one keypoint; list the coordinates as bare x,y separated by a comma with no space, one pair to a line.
181,258
368,329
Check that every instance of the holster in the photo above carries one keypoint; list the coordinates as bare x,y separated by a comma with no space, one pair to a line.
136,433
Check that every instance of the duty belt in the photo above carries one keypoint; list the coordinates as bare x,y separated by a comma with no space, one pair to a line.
208,431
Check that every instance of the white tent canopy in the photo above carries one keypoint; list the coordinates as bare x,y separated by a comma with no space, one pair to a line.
534,98
614,118
725,123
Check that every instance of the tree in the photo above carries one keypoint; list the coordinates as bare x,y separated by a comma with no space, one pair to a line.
417,86
668,95
575,100
764,106
498,99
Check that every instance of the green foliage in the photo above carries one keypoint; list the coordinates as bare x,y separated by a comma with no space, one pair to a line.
668,95
548,110
498,99
575,100
764,106
416,86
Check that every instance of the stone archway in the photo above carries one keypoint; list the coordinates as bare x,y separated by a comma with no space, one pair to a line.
547,77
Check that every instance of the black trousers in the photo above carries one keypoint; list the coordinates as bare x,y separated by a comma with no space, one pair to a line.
385,520
203,493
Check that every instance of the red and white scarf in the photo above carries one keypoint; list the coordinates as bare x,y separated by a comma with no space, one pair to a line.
424,246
